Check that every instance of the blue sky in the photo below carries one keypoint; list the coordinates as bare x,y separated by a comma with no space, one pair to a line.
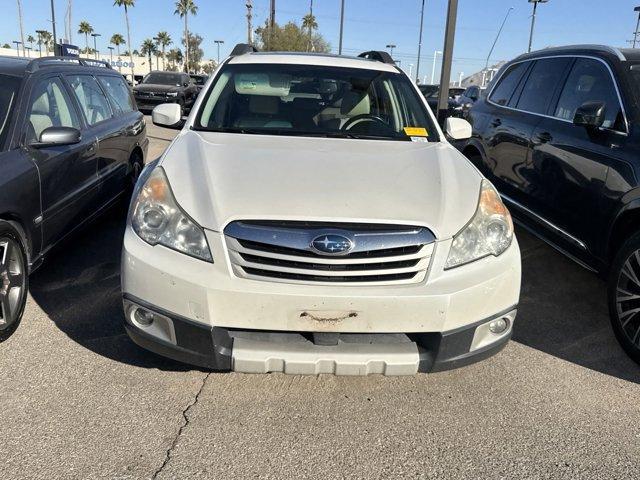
369,24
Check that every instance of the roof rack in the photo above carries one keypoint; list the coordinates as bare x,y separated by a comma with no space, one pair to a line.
378,56
39,63
242,48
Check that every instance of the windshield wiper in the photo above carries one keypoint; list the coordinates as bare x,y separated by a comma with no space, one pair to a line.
301,133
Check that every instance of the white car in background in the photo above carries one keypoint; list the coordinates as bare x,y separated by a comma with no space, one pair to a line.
311,217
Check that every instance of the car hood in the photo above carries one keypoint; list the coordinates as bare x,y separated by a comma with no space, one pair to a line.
220,177
155,88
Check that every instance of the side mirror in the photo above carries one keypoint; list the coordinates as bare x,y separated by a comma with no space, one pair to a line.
167,115
55,136
457,128
590,115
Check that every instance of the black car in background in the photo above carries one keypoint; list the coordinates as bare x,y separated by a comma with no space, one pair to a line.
72,142
199,80
166,87
468,98
559,136
431,92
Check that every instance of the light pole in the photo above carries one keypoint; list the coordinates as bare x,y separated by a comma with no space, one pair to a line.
486,65
433,70
53,24
95,44
635,34
420,43
110,55
533,19
341,27
28,51
17,44
391,46
410,69
460,79
447,60
218,43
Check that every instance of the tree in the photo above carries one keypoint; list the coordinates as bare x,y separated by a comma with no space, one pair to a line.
127,4
309,23
148,48
174,56
30,41
290,38
194,53
85,29
184,8
117,40
209,67
6,45
164,40
45,38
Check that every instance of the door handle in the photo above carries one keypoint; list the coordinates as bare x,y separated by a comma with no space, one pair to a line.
544,137
496,122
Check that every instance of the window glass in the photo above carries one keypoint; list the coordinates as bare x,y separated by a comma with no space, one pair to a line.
541,84
315,101
90,97
8,97
164,78
590,81
50,106
508,83
118,91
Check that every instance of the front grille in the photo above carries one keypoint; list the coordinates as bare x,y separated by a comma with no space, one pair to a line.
282,252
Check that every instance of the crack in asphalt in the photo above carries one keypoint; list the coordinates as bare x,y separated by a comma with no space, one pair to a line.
185,423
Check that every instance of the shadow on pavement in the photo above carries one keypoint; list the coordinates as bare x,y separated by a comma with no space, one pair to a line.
562,308
78,287
563,312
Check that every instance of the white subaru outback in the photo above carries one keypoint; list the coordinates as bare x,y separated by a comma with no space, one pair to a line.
311,217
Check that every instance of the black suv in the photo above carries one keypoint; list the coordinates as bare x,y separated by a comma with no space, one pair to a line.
166,87
72,142
559,136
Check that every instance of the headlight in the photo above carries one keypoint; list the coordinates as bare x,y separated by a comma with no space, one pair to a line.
157,219
489,232
172,94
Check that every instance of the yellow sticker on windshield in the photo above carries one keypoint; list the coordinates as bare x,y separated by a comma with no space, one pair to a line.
415,131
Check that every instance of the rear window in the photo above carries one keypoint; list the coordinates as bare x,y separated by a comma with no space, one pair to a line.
8,97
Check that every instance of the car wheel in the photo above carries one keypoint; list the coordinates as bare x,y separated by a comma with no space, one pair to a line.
14,280
624,296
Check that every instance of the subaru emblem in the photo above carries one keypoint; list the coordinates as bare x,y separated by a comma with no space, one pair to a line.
331,244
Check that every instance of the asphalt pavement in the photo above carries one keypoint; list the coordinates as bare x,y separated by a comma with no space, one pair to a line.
79,400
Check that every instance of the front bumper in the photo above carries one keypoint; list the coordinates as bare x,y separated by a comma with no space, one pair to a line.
149,103
208,305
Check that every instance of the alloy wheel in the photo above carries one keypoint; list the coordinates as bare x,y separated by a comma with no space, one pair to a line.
12,281
628,298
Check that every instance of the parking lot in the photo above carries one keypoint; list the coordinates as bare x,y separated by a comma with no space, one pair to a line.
79,400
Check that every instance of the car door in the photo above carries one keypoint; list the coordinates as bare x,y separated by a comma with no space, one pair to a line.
67,173
514,126
105,125
130,126
570,162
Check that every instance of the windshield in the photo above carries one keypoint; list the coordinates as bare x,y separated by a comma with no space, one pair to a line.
310,100
172,79
8,94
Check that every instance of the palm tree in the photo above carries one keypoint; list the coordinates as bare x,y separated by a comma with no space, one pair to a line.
85,29
30,41
47,38
117,40
148,47
164,40
184,8
127,4
309,23
174,56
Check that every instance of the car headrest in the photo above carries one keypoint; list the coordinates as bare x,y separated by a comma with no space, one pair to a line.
263,105
41,105
355,103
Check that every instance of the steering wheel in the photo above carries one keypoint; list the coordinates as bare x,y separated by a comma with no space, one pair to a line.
364,118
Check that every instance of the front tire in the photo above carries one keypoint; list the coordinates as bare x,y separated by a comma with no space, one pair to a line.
14,279
623,293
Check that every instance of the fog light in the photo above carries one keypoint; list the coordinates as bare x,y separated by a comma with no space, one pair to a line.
143,317
498,325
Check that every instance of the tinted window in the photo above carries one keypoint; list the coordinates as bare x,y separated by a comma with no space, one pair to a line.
590,81
171,79
315,101
508,83
90,97
50,106
118,91
8,96
541,84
